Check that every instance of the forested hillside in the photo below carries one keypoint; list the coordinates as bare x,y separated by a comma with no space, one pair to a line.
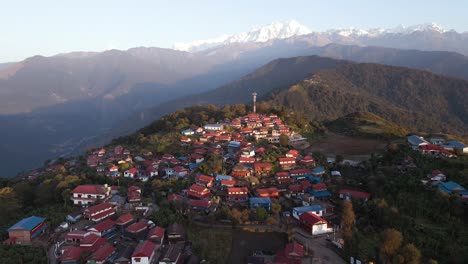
415,99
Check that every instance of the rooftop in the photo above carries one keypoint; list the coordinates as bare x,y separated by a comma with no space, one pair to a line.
27,223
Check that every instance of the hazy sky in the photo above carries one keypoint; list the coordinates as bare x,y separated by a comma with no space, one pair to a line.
48,27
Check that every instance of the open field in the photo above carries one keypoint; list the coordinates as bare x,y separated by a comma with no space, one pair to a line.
213,244
352,148
244,243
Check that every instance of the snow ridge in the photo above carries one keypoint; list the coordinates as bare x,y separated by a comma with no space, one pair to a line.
275,30
279,30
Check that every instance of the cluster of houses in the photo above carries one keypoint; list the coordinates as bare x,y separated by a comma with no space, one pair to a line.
292,175
438,147
143,242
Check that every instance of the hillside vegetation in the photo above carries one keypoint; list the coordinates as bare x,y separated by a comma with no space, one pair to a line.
368,125
418,100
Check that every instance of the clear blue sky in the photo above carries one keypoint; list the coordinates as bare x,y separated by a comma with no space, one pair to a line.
48,27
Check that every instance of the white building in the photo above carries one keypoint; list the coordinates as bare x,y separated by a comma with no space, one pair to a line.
89,194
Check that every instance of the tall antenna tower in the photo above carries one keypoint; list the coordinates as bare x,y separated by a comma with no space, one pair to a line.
254,97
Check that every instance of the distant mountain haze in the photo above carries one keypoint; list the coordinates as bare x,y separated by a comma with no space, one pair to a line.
62,104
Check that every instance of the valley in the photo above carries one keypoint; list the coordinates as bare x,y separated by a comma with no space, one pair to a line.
170,133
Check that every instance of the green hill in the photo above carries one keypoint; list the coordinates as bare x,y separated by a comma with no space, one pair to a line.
418,100
368,125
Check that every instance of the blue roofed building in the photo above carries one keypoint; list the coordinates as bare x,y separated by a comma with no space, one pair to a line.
316,209
313,179
221,177
256,202
437,141
318,171
319,190
25,230
416,141
452,145
234,144
451,187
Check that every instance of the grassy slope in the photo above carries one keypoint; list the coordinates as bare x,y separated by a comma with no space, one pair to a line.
367,124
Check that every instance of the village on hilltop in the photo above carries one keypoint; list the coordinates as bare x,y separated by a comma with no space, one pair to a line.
247,165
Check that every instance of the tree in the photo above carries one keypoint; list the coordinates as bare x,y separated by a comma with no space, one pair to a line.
348,218
271,221
9,204
284,140
236,215
392,147
261,214
411,254
391,242
276,208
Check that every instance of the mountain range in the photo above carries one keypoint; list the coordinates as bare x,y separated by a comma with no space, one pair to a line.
429,36
63,104
325,89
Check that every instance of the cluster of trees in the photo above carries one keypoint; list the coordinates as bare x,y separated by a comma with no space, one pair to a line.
429,222
394,94
22,254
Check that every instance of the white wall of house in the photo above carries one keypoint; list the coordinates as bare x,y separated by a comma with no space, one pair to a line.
321,228
140,260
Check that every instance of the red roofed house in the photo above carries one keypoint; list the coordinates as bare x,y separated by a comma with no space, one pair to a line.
305,184
136,229
204,180
295,189
118,150
293,253
175,197
347,194
144,253
99,212
437,175
101,152
307,161
103,228
124,220
134,194
102,254
92,242
157,234
76,236
246,160
180,171
131,173
300,173
314,224
287,162
92,161
70,255
262,167
199,192
199,205
292,154
283,177
185,140
268,192
228,183
89,193
238,194
240,171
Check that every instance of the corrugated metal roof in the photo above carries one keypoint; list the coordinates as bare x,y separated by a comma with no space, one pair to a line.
27,223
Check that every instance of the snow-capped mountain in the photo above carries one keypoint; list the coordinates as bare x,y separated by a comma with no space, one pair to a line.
376,32
275,30
292,28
